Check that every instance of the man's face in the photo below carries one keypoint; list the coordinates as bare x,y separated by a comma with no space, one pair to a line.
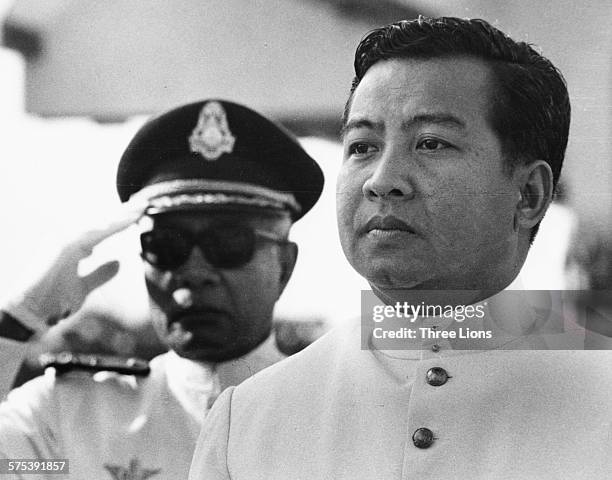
212,313
423,199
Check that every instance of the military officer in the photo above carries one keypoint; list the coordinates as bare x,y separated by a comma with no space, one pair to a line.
454,136
215,188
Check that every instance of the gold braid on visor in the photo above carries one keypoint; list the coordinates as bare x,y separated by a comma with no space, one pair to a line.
175,194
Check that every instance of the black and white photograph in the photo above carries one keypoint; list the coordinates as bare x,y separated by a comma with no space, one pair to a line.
305,239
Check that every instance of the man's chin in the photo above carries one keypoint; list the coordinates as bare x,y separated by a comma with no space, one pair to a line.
208,355
389,277
189,344
215,349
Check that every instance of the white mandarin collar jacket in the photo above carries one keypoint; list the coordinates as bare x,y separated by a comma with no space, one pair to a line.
334,411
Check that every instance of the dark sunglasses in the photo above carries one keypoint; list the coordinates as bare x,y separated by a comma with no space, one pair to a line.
224,246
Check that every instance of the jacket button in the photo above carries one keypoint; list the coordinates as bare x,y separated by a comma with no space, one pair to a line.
435,347
436,376
422,437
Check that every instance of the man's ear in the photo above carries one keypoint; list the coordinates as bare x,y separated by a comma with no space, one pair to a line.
288,256
535,193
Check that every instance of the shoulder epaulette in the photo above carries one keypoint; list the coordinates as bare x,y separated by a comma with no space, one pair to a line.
67,361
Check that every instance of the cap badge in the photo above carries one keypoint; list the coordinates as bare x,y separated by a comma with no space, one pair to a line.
212,137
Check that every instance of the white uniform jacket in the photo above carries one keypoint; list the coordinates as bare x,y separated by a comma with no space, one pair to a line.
334,411
112,426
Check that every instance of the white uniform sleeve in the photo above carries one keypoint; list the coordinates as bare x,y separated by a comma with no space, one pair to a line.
12,354
29,421
210,457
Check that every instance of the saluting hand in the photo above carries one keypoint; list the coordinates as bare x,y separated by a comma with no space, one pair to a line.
60,291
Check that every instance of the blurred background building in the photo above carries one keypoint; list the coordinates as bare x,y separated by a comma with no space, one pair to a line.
78,77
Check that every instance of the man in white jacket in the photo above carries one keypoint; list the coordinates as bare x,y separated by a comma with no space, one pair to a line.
215,188
454,136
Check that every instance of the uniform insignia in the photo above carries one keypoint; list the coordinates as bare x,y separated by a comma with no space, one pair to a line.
133,472
64,362
212,137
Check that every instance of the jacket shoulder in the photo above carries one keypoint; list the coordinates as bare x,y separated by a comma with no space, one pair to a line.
304,373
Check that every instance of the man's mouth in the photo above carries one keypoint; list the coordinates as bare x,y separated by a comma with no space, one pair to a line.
197,325
386,225
190,318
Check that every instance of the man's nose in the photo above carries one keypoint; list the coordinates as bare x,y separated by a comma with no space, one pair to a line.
197,271
391,178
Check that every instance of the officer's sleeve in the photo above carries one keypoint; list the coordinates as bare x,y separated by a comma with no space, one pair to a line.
12,354
29,421
210,457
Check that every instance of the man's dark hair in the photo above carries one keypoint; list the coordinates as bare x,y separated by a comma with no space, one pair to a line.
531,108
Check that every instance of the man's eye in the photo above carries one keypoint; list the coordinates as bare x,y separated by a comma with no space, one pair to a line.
431,144
360,149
